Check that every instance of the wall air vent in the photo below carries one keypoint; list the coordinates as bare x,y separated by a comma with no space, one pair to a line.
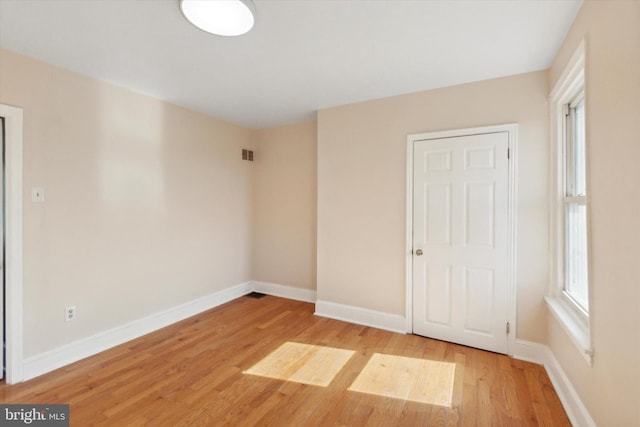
247,155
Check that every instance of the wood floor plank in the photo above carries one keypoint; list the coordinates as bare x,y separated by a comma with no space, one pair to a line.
504,392
524,397
191,374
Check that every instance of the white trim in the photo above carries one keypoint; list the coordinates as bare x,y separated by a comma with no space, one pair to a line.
522,350
77,350
577,326
72,352
574,326
512,131
539,353
569,84
361,316
289,292
14,265
530,351
512,236
408,254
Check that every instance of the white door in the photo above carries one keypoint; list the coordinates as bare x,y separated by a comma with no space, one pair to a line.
460,239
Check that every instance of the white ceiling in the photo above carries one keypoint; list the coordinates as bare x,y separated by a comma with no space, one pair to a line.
301,56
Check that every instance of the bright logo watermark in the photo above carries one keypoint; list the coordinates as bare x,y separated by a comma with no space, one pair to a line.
34,415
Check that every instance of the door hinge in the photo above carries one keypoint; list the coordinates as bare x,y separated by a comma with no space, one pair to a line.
508,328
508,153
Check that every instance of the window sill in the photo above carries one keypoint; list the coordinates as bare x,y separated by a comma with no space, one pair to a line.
575,327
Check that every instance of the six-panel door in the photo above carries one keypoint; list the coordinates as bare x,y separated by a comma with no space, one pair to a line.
460,224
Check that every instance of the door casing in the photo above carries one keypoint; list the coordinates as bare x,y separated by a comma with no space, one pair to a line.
512,131
13,239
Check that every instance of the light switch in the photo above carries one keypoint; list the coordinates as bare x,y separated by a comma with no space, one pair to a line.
37,194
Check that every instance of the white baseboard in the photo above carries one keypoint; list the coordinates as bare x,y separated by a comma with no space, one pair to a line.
529,351
72,352
362,316
289,292
539,353
53,359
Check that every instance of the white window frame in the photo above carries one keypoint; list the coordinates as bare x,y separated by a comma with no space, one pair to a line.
573,318
572,196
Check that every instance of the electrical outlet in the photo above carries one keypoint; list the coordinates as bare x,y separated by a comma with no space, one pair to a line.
69,313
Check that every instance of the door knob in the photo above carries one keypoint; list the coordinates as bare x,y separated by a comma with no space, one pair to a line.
419,252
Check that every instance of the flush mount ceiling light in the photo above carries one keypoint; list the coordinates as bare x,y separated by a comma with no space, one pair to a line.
221,17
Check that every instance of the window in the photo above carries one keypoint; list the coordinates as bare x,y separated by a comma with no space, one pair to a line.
576,277
568,298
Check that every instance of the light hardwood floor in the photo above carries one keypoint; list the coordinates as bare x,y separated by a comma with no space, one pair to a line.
191,374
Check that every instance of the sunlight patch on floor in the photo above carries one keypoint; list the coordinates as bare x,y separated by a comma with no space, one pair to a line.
302,363
406,378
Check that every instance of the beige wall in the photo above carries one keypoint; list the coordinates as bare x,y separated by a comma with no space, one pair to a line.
284,206
611,388
362,187
148,205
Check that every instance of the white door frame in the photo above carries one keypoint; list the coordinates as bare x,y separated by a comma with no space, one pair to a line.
13,217
512,131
